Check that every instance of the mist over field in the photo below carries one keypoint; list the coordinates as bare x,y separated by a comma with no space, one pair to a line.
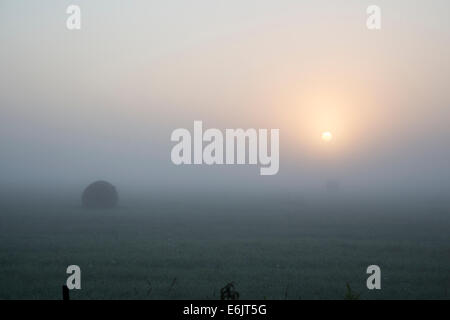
270,246
101,103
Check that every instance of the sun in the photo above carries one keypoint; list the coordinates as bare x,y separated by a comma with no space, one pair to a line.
327,136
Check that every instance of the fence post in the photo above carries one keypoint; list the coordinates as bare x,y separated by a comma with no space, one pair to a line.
65,292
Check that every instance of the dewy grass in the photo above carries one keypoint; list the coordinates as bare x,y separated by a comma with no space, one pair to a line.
314,248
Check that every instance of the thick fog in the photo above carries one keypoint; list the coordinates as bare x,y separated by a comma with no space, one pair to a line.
101,103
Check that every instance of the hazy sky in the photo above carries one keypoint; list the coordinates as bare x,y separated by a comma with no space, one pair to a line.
101,102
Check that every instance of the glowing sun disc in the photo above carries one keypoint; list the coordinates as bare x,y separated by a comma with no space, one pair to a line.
327,136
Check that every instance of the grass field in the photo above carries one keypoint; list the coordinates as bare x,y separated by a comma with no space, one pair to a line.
297,248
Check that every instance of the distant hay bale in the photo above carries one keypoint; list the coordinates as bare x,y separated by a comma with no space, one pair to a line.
100,195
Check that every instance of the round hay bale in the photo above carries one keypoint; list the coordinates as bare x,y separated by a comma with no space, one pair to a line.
100,195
